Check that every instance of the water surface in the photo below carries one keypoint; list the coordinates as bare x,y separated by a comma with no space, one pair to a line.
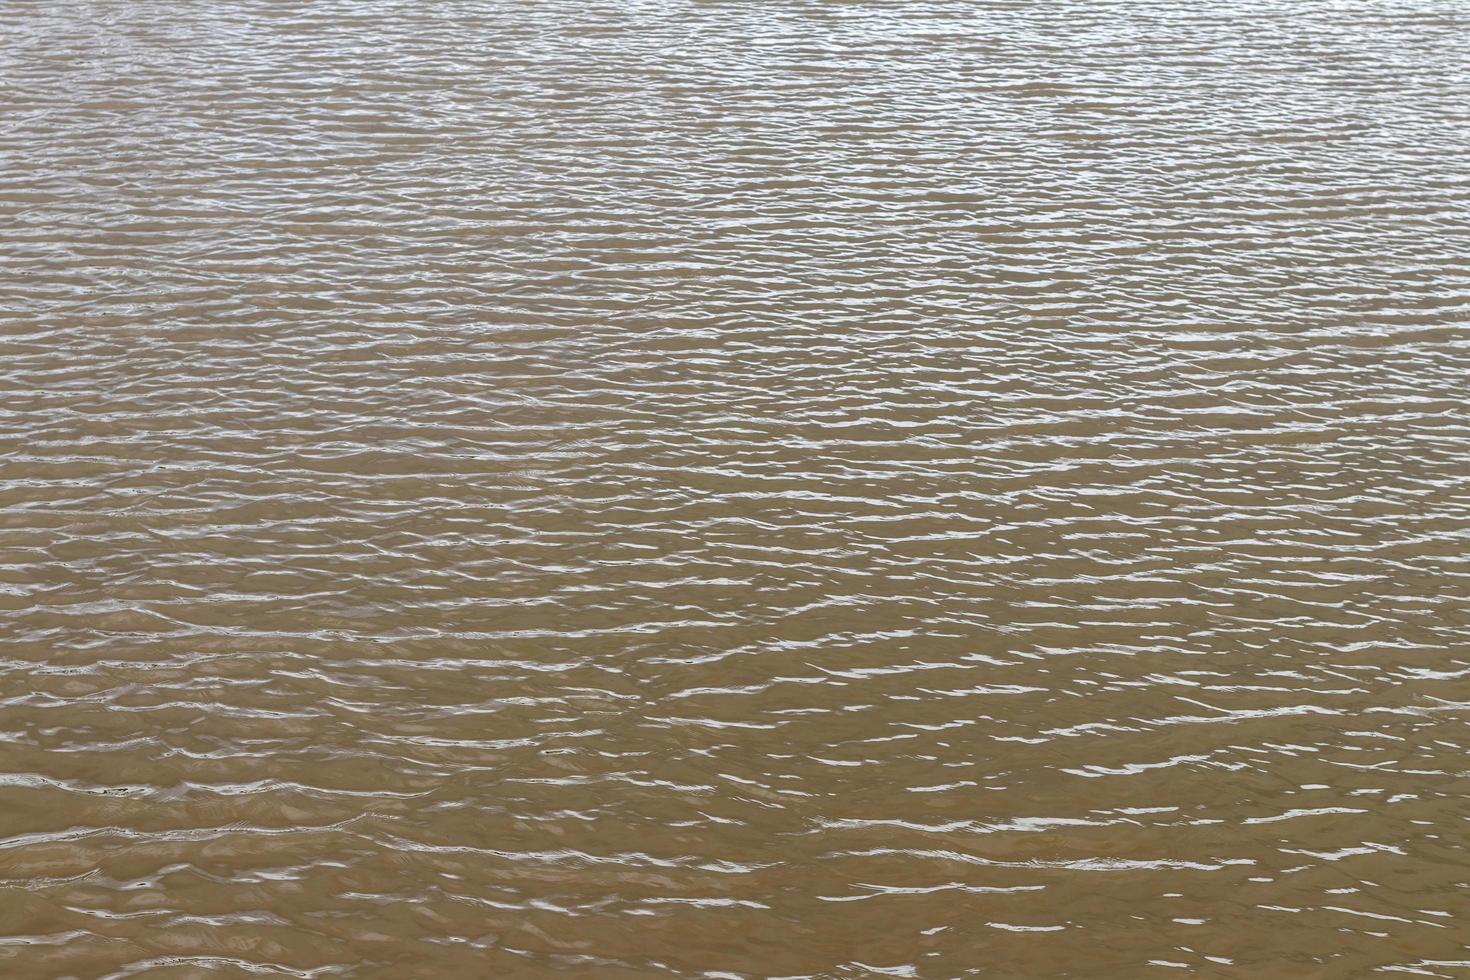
809,488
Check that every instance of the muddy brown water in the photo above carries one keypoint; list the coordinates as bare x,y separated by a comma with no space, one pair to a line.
731,489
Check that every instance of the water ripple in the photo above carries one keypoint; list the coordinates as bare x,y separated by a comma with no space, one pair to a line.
728,490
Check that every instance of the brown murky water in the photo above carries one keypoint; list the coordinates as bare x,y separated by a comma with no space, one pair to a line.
806,488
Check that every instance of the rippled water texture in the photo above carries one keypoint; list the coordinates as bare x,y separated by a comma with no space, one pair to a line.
808,488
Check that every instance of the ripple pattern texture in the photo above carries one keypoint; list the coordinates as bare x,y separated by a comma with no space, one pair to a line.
731,489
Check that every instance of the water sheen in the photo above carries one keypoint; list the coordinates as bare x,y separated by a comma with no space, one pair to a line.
813,488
